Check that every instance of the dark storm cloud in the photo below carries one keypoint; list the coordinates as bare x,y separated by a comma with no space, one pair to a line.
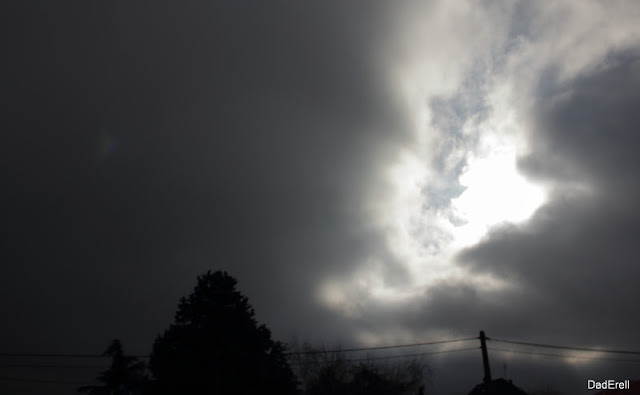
145,144
575,262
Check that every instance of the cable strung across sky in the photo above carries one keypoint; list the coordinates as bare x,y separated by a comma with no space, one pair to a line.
565,347
568,356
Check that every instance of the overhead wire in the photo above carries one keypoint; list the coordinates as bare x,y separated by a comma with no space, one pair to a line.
393,356
28,365
379,347
336,351
40,381
563,355
414,355
59,355
564,347
41,355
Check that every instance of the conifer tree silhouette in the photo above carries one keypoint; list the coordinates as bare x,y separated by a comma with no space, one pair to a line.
215,346
124,377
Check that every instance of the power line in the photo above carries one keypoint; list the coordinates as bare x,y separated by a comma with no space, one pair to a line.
379,347
42,355
51,366
564,356
36,366
60,355
416,354
21,380
565,347
392,356
4,354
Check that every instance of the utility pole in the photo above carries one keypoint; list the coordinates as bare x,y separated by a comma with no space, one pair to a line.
485,358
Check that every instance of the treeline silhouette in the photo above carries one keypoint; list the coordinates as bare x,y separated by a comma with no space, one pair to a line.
216,346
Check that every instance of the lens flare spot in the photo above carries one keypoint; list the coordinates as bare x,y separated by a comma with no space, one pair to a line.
106,147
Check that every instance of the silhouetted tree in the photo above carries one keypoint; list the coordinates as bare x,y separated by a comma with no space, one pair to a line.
125,376
216,346
333,373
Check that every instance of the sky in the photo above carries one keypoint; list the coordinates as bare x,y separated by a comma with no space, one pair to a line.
372,173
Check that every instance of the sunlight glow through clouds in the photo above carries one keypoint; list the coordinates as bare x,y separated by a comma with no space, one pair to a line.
495,192
425,237
468,81
447,189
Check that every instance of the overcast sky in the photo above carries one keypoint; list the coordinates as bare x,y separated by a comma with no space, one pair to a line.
372,173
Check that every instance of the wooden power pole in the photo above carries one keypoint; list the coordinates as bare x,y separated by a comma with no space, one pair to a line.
485,358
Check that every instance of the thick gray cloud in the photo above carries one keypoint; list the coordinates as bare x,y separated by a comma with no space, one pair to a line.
570,271
572,144
145,144
575,262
